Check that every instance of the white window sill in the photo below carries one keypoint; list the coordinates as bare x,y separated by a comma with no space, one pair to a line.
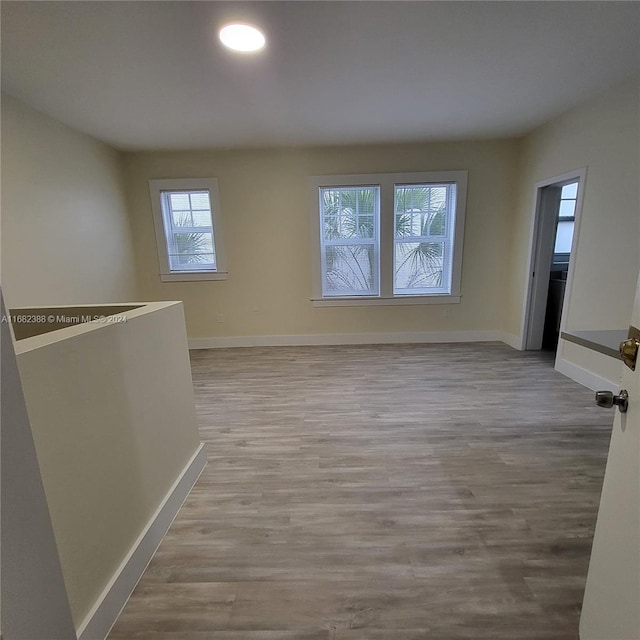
357,301
192,276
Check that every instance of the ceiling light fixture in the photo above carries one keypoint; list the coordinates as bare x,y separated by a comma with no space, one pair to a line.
242,37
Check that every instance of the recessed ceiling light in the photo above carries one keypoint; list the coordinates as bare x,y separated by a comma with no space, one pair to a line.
242,37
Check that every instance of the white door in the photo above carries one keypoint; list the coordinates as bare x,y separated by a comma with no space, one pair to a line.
611,607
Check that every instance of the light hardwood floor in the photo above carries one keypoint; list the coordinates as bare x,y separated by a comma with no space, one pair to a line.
394,492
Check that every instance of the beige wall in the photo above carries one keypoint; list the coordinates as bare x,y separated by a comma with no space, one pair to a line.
113,420
66,237
602,135
265,210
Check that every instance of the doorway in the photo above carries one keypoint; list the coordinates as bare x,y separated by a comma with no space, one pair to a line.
554,238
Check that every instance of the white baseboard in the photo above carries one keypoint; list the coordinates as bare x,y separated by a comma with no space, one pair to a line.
585,377
102,617
512,340
345,338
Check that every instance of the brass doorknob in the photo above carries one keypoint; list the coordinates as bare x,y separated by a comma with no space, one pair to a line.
629,352
607,399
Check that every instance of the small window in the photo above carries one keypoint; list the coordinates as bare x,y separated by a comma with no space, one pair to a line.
565,223
388,238
188,229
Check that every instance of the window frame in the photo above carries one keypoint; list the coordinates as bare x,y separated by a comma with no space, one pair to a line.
156,190
446,239
386,230
374,241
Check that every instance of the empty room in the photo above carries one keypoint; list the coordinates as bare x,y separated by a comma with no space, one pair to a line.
320,320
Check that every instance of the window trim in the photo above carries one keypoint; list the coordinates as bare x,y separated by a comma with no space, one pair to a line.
387,183
156,187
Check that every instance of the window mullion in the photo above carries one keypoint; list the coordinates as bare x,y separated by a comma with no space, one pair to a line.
387,233
348,241
202,229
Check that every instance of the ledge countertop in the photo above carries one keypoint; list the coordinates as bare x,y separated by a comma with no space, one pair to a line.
606,341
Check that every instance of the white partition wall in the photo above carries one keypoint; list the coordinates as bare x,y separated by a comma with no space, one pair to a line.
111,409
34,599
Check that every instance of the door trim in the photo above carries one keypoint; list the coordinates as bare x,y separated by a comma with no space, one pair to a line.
535,250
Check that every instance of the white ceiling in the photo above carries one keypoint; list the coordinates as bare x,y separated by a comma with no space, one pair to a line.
151,75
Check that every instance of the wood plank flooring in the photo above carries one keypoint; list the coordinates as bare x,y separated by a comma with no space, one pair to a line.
395,492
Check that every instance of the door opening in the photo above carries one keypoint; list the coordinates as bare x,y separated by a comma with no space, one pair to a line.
565,223
557,212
